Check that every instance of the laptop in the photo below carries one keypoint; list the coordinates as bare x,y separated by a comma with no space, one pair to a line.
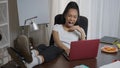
83,49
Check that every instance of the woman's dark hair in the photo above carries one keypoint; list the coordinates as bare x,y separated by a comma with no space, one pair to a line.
71,5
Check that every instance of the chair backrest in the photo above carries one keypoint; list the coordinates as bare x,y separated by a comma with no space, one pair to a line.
82,22
0,37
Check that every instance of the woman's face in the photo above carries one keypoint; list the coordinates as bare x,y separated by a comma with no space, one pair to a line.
71,17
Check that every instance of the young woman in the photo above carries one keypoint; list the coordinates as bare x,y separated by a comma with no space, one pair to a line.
63,34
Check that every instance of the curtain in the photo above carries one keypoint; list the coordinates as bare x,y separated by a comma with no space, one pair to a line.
110,18
103,17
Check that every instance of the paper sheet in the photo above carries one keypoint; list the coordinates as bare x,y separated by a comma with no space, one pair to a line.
112,65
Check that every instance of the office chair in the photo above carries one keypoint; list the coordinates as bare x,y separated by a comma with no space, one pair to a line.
0,37
59,19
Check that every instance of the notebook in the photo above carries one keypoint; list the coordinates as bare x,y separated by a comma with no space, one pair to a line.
83,49
109,40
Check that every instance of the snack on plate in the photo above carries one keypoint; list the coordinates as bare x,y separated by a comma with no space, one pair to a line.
109,49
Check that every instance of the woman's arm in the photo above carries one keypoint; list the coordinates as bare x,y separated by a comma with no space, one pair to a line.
79,29
59,43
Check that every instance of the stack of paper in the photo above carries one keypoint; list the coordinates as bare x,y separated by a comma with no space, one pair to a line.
112,65
109,40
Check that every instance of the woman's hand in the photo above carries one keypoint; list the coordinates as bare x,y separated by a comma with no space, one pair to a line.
73,28
67,50
79,29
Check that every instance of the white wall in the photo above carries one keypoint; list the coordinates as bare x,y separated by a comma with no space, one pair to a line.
31,8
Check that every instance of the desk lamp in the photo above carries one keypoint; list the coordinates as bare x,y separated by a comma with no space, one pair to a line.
33,25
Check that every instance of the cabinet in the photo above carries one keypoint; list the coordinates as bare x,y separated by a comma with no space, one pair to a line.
4,31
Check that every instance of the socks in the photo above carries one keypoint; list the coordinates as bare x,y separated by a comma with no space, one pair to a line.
37,59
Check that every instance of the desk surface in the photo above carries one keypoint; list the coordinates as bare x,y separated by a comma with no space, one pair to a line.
101,59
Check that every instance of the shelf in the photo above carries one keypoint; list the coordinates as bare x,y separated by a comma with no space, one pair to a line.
3,1
5,45
3,24
4,31
3,12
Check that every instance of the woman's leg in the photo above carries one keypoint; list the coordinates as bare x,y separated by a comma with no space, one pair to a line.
37,59
41,47
40,57
51,53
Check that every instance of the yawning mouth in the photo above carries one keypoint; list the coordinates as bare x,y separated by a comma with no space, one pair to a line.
70,24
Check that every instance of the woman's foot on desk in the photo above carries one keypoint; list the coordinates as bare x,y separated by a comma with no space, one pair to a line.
22,45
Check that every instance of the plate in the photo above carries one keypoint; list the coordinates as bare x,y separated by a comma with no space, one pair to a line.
109,49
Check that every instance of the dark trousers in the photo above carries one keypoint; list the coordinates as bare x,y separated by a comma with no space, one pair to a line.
49,52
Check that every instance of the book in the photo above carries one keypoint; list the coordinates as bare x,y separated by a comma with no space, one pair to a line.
109,40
